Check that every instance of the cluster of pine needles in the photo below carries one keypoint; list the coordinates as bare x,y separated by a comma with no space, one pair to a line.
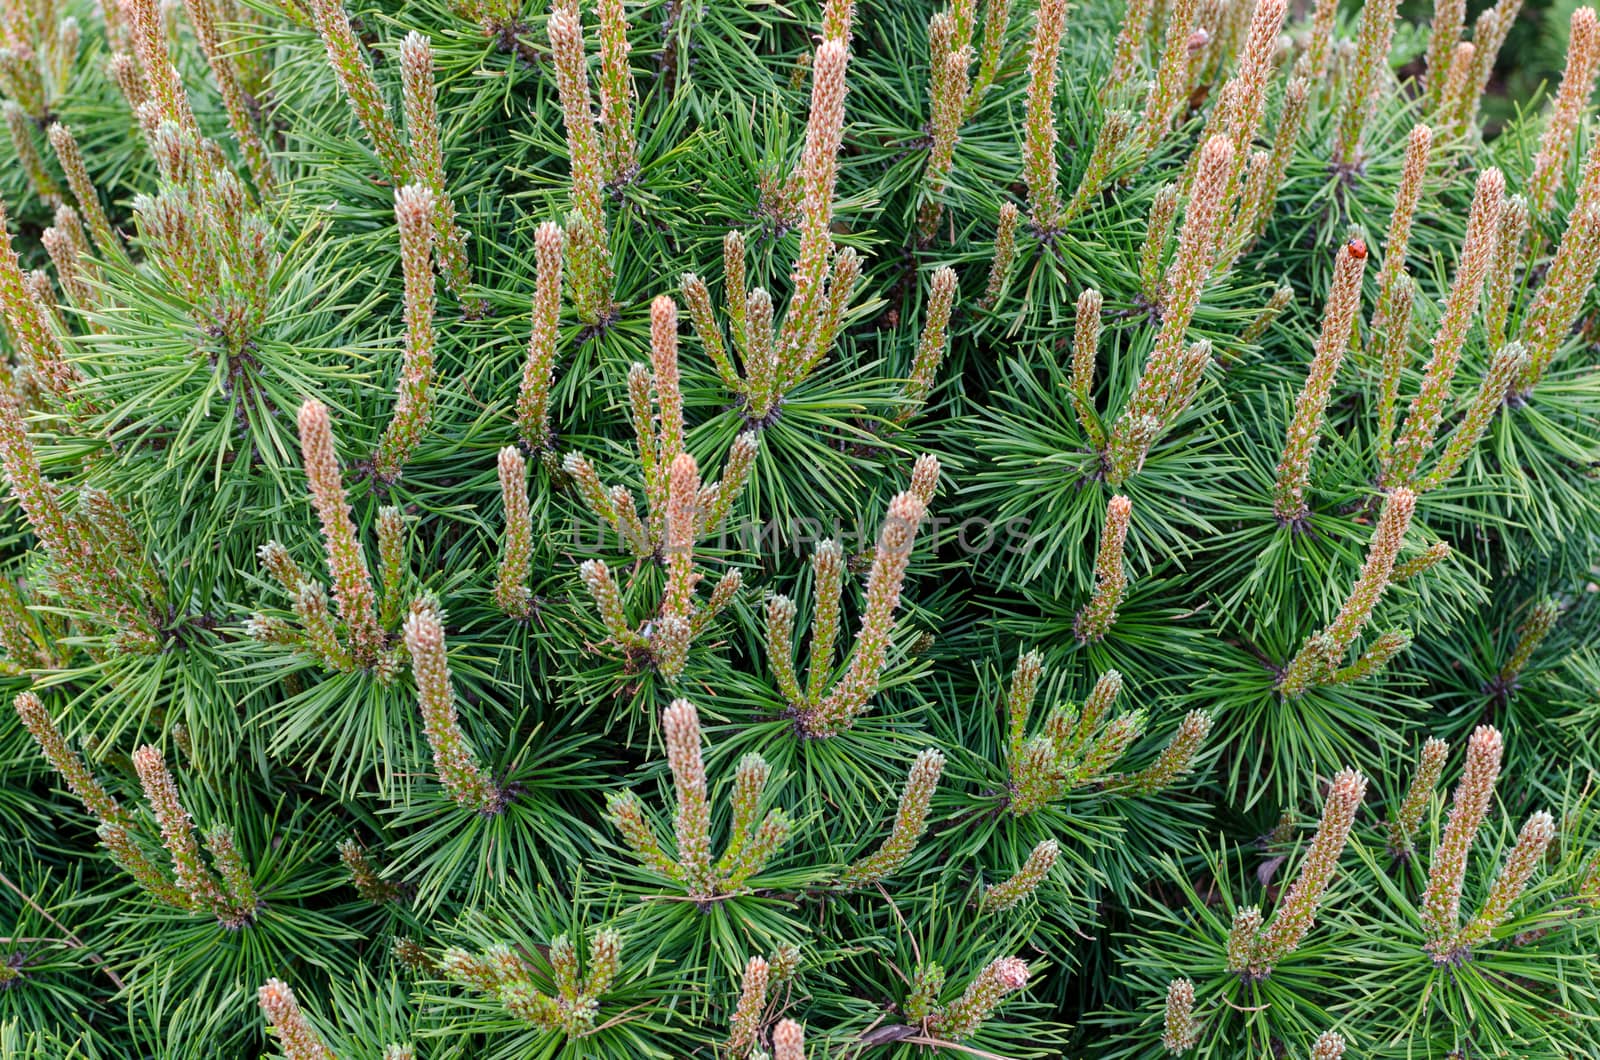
705,529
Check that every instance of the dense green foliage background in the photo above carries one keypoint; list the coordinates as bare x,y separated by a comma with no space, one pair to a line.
202,451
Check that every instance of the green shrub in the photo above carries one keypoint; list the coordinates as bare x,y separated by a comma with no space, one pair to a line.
708,529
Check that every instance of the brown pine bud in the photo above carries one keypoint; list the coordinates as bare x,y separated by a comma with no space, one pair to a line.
1131,38
680,726
1530,634
1449,16
1005,254
1427,408
150,43
752,1005
538,372
296,1037
225,72
1305,427
1039,128
177,832
1566,111
426,158
347,563
1181,1030
1110,580
1403,825
414,211
1441,902
932,344
1365,81
80,780
511,592
855,688
26,152
354,74
364,875
788,1041
1297,912
1328,1046
910,821
1172,72
1525,857
453,758
962,1017
999,897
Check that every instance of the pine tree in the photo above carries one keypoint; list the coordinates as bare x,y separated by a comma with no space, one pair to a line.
716,530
